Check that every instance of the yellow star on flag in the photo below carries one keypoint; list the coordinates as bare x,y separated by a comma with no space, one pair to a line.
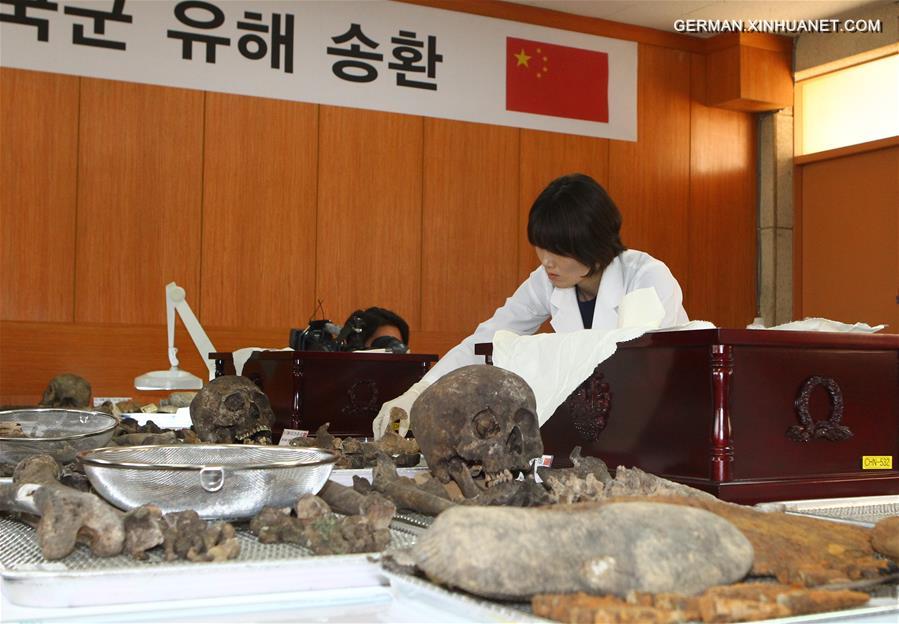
522,58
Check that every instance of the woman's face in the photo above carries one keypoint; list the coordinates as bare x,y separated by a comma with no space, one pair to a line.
563,272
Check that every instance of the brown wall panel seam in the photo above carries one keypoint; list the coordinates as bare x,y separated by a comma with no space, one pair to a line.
77,201
685,285
202,202
317,195
421,227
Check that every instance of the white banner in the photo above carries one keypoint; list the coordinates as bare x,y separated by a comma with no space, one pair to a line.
372,54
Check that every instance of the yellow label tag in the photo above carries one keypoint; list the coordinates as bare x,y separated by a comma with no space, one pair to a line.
877,462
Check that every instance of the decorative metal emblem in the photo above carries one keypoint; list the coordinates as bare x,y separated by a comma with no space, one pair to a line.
809,429
363,400
589,406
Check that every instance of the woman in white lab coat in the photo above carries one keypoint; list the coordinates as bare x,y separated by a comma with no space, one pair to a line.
584,273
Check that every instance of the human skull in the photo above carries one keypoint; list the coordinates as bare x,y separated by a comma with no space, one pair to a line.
67,390
232,409
477,421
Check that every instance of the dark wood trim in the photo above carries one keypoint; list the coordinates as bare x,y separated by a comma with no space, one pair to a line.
752,337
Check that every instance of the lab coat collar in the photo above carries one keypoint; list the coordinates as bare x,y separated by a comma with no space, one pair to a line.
566,315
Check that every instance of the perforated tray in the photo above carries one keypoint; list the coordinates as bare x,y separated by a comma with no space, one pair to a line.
83,579
859,510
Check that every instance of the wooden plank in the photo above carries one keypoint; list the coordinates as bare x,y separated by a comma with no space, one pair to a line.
259,194
139,185
650,179
369,213
470,223
721,230
38,165
544,157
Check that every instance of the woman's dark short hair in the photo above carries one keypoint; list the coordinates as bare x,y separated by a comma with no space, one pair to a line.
373,318
575,217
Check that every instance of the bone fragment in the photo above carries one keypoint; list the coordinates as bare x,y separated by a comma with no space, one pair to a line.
341,498
650,547
66,515
310,507
403,492
143,530
885,537
42,469
721,604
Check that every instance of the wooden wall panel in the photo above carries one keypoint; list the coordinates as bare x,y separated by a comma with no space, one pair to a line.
544,157
139,191
721,231
470,223
38,163
259,194
650,179
850,247
369,213
109,356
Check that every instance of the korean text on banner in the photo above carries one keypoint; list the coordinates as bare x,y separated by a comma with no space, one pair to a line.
555,80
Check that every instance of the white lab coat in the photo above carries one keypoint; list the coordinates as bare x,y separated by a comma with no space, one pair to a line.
537,299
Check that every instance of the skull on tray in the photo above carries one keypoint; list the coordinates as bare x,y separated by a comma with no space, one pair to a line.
67,390
475,426
232,409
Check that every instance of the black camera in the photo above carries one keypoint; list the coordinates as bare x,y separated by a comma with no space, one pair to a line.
318,336
323,335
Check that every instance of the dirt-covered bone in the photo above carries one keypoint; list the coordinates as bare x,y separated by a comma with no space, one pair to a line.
794,549
476,425
144,529
187,536
68,391
727,603
885,537
232,409
345,500
616,549
66,515
403,491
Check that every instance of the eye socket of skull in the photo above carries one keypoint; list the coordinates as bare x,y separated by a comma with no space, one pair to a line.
515,441
235,402
485,424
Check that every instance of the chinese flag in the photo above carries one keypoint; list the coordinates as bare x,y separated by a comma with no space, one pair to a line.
549,79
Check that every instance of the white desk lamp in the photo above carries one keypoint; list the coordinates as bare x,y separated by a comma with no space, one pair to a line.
175,378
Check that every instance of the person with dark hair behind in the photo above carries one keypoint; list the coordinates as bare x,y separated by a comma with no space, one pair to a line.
377,328
585,271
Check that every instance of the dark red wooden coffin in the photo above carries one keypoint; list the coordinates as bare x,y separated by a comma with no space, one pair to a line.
749,415
310,388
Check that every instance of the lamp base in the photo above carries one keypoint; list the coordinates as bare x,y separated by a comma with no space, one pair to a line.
172,379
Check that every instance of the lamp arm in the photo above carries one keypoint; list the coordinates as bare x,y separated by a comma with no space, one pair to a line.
170,322
175,297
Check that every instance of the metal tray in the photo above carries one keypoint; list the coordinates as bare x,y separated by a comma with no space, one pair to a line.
859,510
82,579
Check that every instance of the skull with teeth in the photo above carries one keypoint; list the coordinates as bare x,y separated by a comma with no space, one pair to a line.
475,426
232,409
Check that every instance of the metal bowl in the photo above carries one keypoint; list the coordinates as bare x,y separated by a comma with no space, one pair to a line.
218,481
59,432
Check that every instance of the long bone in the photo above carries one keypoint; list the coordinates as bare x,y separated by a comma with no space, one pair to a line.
403,491
66,515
